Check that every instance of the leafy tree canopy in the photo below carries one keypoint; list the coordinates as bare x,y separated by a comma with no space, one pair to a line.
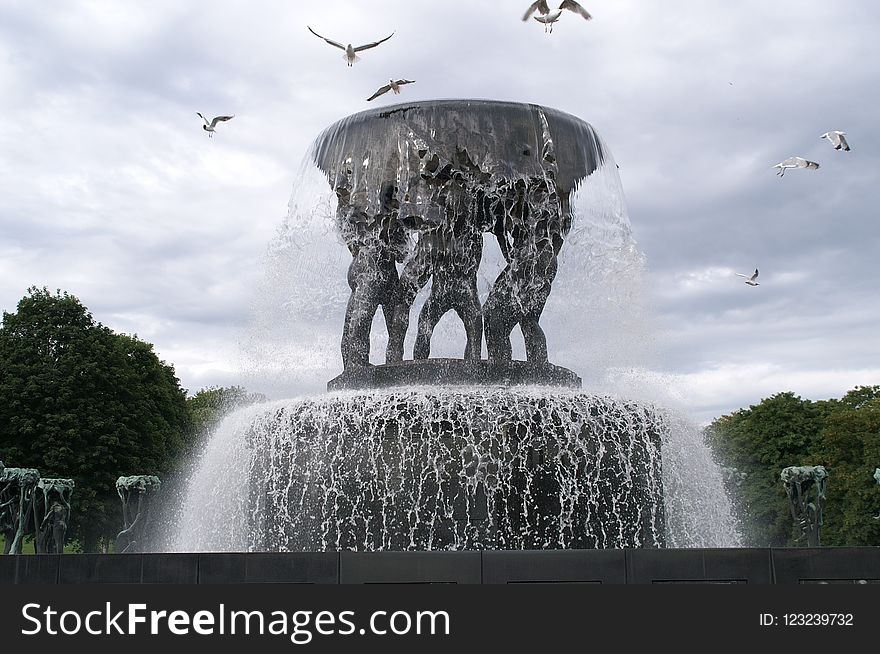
784,430
79,401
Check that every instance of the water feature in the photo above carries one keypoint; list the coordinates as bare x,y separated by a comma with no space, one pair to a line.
475,210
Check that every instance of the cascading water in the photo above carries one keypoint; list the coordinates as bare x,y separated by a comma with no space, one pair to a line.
431,468
351,470
452,467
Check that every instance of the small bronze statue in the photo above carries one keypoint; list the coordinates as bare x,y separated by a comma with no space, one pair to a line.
805,487
53,503
135,519
17,487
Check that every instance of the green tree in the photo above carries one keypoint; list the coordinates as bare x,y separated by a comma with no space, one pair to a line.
209,405
79,401
759,442
850,449
841,434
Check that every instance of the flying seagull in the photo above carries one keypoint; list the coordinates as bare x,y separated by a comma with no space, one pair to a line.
794,162
209,126
751,280
350,50
837,140
549,17
391,86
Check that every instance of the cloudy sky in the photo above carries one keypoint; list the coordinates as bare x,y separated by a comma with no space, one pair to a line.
109,188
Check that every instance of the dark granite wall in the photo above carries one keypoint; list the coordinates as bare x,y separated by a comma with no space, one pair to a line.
631,566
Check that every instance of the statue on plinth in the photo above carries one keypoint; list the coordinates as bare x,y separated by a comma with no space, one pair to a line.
52,501
135,513
805,487
17,487
420,185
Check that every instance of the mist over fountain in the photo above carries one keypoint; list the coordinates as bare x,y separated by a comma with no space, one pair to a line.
475,210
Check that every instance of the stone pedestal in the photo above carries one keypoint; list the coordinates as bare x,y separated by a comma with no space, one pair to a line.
455,372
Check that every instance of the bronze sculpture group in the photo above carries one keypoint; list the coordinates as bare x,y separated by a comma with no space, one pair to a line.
31,506
433,223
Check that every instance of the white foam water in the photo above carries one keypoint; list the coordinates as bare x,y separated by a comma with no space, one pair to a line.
428,468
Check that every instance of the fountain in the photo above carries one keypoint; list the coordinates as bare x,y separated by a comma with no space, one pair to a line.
510,218
446,453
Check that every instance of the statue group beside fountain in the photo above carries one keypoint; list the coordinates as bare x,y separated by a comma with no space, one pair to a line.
33,506
40,507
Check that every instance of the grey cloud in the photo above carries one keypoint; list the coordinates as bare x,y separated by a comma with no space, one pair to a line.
111,191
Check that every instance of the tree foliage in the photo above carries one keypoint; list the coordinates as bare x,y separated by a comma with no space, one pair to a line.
79,401
209,405
850,450
784,430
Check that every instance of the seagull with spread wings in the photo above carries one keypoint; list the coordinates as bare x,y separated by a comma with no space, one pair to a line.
393,85
751,280
549,17
794,162
210,126
837,139
350,50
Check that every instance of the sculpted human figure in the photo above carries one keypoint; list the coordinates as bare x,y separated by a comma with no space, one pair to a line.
424,216
805,487
135,520
53,504
16,505
444,209
530,223
376,243
458,248
54,525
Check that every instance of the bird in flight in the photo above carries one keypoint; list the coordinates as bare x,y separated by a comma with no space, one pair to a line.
209,126
837,139
351,50
751,280
794,162
391,86
549,17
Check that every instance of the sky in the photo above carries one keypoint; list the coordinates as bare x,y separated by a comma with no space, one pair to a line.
110,189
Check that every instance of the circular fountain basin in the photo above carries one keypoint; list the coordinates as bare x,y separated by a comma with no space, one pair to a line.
462,468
